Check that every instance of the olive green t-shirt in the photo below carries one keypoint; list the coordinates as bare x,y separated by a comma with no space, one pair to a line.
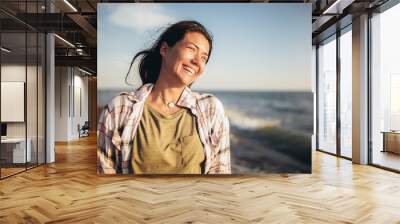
167,144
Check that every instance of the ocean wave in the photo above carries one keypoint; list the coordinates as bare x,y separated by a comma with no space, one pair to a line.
245,121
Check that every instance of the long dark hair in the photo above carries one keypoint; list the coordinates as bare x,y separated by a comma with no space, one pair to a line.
150,62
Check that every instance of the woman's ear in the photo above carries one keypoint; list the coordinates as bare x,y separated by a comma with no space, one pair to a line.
163,49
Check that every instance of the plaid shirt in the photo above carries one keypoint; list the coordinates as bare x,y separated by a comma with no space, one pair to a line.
120,118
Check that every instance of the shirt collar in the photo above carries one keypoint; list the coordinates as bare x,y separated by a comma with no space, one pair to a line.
142,93
187,98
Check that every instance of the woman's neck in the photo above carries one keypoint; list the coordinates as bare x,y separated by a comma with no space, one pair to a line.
164,91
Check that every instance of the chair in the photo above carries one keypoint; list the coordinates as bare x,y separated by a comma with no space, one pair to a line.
84,130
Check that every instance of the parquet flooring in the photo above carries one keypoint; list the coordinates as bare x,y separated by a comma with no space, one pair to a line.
9,171
69,191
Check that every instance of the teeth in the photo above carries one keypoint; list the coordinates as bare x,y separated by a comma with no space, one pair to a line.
189,69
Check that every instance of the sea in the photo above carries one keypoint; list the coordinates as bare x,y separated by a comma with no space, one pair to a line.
254,110
270,131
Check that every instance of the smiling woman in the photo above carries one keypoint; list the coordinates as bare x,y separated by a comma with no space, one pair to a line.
163,127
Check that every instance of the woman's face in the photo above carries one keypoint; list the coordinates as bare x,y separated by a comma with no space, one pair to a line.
186,60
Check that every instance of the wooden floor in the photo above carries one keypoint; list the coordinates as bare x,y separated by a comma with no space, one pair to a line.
5,172
387,159
70,191
10,171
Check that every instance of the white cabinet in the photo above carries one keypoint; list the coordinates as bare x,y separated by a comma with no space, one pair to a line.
18,149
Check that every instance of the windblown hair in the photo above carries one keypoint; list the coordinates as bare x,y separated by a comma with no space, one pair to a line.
150,59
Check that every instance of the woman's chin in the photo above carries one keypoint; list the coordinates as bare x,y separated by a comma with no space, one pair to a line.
186,80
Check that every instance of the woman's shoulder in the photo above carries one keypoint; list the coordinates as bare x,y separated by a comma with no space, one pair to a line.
209,100
123,99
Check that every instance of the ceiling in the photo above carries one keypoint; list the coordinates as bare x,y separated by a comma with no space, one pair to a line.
76,22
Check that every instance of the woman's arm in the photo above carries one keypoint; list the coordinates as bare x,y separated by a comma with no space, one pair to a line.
108,142
221,163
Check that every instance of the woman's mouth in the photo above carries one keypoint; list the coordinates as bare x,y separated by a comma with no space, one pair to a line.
189,69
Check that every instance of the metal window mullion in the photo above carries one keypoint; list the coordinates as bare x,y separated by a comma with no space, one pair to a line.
369,88
37,91
317,97
26,86
338,98
45,95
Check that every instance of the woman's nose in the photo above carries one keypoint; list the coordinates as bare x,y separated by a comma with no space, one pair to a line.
196,59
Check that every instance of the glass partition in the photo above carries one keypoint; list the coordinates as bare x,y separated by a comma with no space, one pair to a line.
22,64
31,97
41,96
327,95
32,88
13,94
346,92
385,89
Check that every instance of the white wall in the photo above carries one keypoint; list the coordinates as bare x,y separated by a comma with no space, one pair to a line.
71,87
14,73
61,103
80,92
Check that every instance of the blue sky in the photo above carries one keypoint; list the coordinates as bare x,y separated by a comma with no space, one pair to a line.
257,46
